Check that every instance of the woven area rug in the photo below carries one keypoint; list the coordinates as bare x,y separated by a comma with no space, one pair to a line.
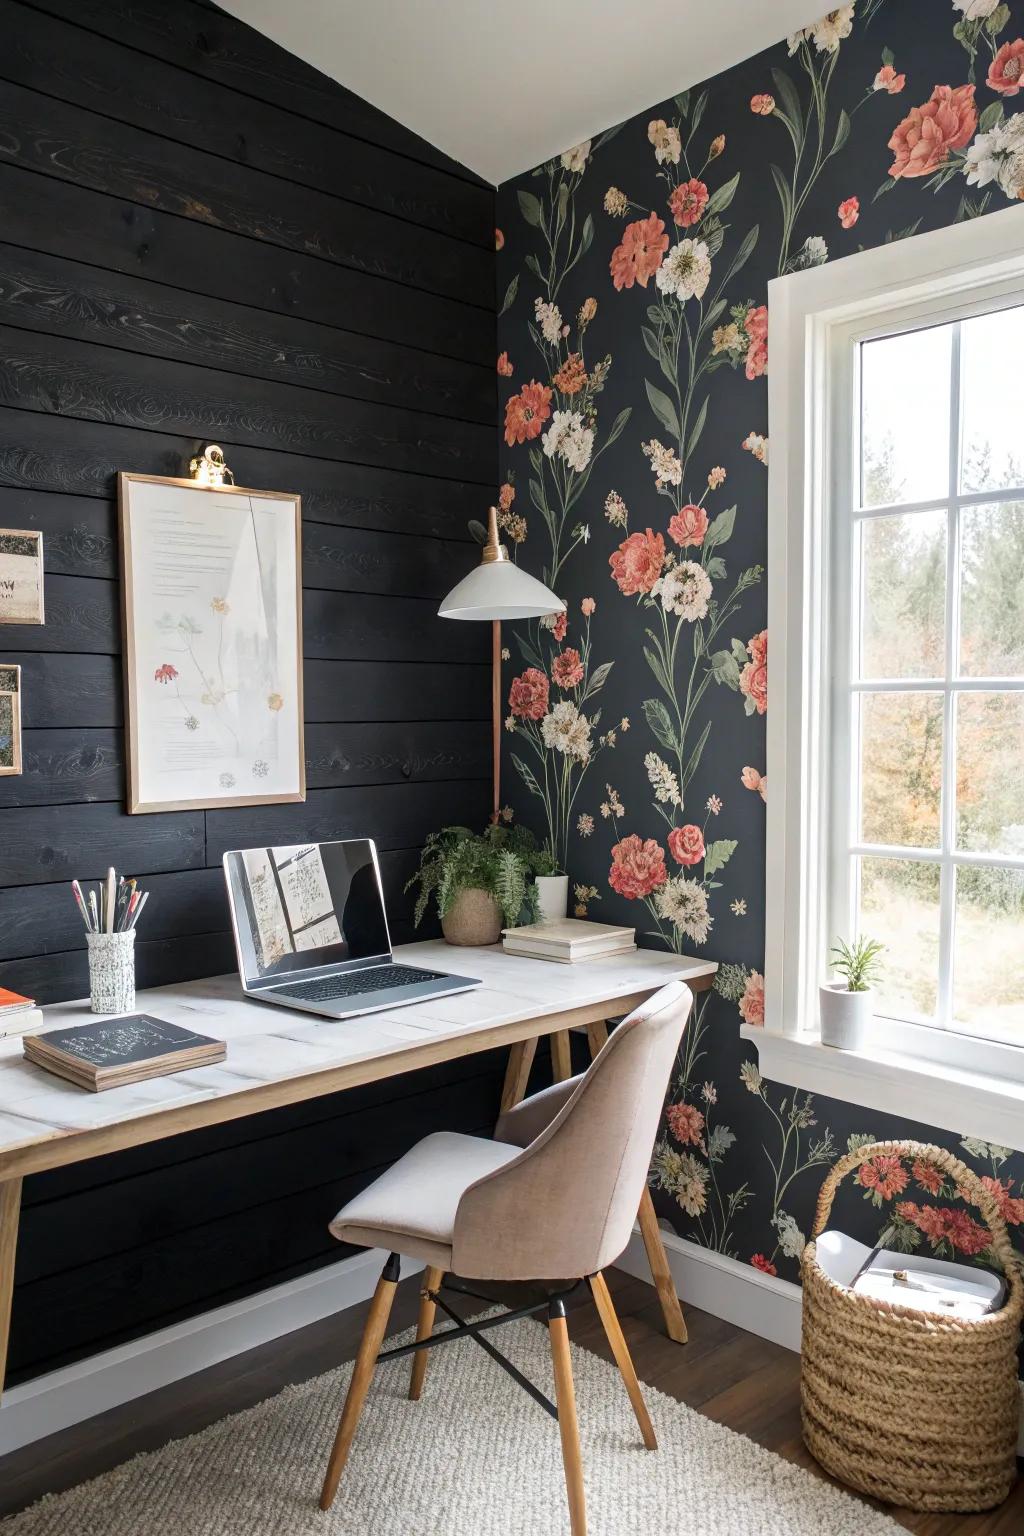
475,1457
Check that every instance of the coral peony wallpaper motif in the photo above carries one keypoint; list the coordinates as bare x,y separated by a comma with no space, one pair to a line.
633,347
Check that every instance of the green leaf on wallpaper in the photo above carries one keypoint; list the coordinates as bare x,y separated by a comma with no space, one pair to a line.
693,762
682,102
530,208
537,460
529,653
785,195
725,669
842,132
720,199
714,235
618,425
718,855
719,1142
598,678
739,650
788,96
527,775
743,254
655,314
715,568
650,341
995,23
534,266
660,722
653,660
888,57
886,186
665,411
587,237
698,111
720,528
510,295
992,115
697,428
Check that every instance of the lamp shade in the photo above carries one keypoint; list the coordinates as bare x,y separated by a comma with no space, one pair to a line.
499,590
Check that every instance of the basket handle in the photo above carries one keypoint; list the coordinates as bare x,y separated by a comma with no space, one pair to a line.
967,1181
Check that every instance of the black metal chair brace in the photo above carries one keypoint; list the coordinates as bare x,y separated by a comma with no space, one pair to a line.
464,1329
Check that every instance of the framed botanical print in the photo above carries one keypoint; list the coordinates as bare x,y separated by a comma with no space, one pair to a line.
212,597
21,576
10,719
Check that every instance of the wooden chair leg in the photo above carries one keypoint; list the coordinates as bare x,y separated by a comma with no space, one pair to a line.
424,1328
620,1350
568,1427
561,1056
660,1272
517,1073
362,1372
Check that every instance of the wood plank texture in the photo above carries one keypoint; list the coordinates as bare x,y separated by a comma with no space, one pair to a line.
203,238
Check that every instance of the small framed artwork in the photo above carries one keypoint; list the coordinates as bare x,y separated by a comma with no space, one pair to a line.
21,577
212,598
10,719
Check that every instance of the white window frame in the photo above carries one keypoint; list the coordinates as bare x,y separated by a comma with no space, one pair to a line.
934,1075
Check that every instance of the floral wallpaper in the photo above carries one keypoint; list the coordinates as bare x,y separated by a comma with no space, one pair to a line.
634,344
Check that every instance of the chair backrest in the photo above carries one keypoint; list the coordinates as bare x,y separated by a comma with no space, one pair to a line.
565,1206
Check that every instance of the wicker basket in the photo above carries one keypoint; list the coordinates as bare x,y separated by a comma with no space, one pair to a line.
911,1407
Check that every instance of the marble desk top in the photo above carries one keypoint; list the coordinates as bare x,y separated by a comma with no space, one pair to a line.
269,1045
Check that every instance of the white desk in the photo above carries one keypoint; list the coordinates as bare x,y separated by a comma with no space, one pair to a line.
276,1057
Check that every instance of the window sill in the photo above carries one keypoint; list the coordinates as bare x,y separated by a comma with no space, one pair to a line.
935,1094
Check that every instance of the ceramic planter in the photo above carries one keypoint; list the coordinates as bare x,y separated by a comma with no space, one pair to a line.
474,917
844,1015
552,897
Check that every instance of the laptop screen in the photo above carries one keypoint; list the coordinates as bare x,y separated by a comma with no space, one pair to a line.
305,906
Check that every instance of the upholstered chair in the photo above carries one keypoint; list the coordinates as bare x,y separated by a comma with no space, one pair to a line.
551,1199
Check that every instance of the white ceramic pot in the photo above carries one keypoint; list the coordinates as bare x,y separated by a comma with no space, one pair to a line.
552,897
844,1015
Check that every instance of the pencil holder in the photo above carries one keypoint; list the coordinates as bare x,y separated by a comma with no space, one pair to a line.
111,971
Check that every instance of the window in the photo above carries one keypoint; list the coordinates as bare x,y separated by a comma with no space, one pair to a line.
896,696
927,787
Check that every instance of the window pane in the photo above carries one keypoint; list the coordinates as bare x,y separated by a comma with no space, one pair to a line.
991,347
905,401
992,590
901,768
903,602
899,905
988,953
990,772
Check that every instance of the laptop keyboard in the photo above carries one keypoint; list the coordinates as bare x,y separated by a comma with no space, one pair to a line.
354,983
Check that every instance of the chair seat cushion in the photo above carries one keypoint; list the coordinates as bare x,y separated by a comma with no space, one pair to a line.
411,1208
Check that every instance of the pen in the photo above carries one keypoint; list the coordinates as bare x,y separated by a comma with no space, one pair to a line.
109,906
138,910
76,891
94,909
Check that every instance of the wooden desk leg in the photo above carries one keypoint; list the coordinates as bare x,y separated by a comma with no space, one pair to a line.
597,1036
10,1208
517,1073
561,1056
660,1272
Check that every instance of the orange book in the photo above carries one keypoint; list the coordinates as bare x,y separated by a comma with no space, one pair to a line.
11,1002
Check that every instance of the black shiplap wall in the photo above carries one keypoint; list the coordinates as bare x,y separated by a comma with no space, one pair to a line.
202,239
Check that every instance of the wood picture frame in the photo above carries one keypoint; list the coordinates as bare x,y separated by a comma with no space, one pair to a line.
21,576
211,576
10,719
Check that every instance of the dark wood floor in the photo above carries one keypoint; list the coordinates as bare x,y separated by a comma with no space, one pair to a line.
727,1374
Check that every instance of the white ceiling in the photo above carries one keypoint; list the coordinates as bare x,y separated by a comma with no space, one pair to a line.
504,84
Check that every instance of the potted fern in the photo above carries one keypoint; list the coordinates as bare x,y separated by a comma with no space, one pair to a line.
847,1003
481,882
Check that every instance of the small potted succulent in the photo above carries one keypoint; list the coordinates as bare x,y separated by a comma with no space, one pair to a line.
552,887
481,881
847,1003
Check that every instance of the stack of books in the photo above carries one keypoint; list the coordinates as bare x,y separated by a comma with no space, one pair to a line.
123,1050
18,1013
568,940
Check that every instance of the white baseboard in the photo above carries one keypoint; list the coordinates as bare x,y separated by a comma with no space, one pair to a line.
65,1397
762,1304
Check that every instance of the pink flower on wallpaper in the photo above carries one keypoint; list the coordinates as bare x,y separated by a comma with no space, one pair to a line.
756,325
754,676
752,1002
499,240
526,413
165,673
686,844
560,626
528,695
506,496
587,607
567,668
689,525
763,104
764,1265
849,212
923,140
751,779
636,564
926,1176
941,1223
686,1124
1011,1207
888,80
638,867
1007,68
688,202
505,369
884,1176
636,260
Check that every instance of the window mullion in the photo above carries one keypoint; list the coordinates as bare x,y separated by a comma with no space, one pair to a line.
947,881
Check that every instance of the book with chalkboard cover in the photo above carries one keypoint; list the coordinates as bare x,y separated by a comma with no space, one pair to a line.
111,1052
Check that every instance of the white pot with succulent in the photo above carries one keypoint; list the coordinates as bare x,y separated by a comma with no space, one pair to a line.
552,889
847,1002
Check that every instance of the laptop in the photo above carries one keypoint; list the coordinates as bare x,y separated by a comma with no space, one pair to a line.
311,931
